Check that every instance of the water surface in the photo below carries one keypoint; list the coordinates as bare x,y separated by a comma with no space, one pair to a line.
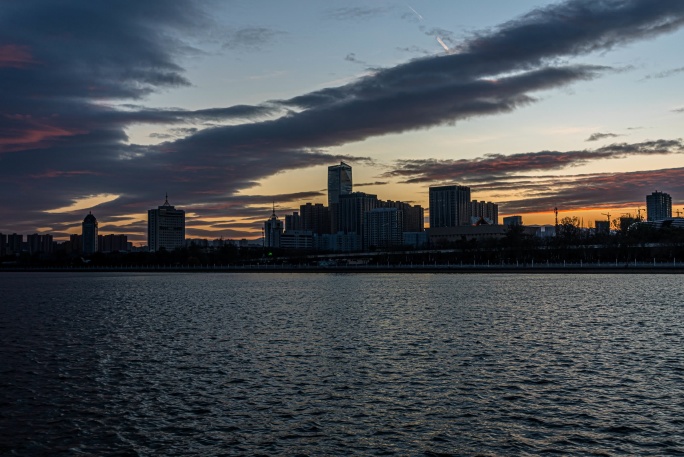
335,364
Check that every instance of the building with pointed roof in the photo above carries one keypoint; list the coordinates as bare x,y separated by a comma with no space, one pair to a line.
165,227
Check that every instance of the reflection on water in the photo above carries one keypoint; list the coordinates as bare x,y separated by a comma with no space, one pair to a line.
321,364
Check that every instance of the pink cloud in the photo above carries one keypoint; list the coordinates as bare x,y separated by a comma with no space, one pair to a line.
15,56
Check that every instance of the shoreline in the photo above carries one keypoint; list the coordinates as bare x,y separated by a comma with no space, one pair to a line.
405,269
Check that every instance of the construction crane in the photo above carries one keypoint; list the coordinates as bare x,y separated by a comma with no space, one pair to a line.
639,213
678,213
555,211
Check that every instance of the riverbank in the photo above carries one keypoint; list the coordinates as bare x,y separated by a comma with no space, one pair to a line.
644,268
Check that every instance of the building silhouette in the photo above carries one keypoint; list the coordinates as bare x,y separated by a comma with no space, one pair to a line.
353,206
658,206
512,221
39,244
165,227
383,228
273,230
449,206
315,218
485,210
339,183
89,235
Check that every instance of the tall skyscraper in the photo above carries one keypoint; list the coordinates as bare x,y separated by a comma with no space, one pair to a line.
449,206
273,230
339,183
89,234
3,244
658,206
165,227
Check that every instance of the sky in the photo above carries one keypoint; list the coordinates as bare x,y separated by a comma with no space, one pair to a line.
230,107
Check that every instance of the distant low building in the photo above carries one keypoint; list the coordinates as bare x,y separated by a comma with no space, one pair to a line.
297,239
512,221
447,235
113,243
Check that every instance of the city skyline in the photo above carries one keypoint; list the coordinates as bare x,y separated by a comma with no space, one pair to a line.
227,107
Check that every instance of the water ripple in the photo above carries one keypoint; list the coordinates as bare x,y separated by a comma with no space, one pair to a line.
433,365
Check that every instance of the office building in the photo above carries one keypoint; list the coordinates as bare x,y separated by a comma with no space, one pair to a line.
273,230
165,227
383,228
449,206
658,206
89,235
296,239
339,183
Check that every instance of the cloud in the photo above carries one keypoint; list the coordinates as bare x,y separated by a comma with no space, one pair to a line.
599,136
601,190
250,38
666,73
497,166
67,88
356,12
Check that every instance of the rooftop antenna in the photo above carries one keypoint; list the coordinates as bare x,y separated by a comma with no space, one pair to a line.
166,199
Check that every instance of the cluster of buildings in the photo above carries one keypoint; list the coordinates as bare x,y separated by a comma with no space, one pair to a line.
85,244
352,221
358,221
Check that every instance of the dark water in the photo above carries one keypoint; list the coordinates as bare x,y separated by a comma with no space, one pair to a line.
298,364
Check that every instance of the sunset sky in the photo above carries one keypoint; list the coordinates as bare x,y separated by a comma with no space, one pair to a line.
231,105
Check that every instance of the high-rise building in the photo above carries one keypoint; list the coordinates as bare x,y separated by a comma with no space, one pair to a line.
485,210
89,234
339,183
39,244
14,242
449,206
293,221
165,227
315,218
413,217
352,209
658,206
383,228
273,230
3,245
